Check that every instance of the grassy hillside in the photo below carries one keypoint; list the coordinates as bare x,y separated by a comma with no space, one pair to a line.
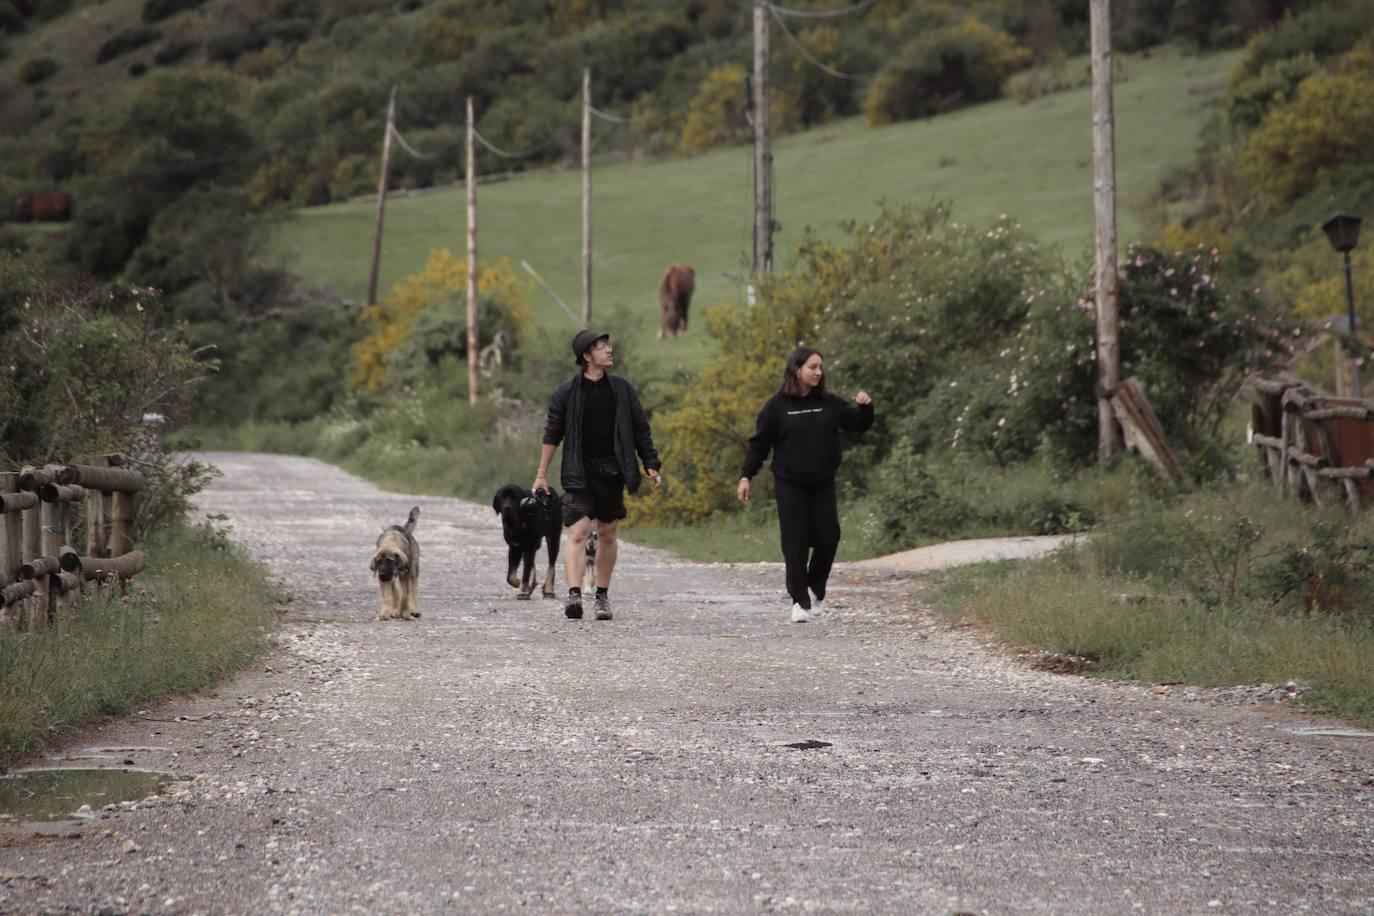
1031,161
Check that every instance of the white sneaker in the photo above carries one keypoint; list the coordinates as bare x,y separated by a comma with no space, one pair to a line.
817,607
801,614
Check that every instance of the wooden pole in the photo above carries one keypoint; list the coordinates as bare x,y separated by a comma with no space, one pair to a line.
95,523
54,531
763,153
10,533
473,381
32,523
122,524
100,478
381,200
124,566
587,197
1104,227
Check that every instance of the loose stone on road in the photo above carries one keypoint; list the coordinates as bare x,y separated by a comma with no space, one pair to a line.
697,754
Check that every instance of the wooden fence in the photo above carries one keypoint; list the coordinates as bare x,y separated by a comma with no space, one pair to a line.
1312,445
40,571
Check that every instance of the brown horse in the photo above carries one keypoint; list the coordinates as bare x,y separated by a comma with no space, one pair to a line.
43,207
674,296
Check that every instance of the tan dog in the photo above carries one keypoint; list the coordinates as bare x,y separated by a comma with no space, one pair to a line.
397,565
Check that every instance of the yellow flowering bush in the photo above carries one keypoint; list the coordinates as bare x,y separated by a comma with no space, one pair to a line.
425,312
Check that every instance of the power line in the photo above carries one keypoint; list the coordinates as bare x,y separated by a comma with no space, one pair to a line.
408,148
504,154
816,14
614,119
809,56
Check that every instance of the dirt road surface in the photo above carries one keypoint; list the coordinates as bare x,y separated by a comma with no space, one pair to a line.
494,756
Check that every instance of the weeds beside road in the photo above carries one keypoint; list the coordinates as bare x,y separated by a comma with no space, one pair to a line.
200,612
1225,587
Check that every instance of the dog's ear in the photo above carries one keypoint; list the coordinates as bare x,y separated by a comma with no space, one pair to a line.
373,565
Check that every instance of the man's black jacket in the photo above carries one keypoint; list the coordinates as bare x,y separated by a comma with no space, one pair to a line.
632,436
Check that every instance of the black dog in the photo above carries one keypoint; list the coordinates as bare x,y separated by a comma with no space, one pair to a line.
526,519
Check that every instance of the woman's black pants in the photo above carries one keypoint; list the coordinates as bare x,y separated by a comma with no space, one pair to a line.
809,519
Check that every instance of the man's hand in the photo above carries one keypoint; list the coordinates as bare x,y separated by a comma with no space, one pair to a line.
742,491
540,483
862,398
655,476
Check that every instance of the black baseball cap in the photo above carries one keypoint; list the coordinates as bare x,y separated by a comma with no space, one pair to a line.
583,342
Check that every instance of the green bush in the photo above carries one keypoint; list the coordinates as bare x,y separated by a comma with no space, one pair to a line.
48,10
230,46
36,70
1047,79
157,10
1249,99
1327,127
11,23
174,52
942,297
1324,30
943,69
84,365
1228,547
915,497
126,41
1187,333
152,142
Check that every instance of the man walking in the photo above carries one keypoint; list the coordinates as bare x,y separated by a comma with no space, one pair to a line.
598,418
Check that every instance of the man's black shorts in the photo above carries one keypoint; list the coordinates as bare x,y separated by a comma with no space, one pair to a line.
603,500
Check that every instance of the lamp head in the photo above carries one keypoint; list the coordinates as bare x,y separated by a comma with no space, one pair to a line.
1343,229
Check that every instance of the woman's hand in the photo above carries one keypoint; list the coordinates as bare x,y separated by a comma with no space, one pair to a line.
862,398
742,491
655,476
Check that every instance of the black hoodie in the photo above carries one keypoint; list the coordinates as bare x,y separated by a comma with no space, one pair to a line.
804,436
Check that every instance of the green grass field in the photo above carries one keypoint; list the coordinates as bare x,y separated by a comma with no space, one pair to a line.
1031,161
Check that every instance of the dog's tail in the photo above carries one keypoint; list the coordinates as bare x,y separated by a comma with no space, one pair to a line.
412,519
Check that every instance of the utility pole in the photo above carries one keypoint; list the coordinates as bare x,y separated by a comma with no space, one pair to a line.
381,200
471,183
1104,227
587,197
763,152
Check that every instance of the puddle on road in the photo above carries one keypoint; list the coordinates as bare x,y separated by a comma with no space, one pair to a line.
47,795
810,744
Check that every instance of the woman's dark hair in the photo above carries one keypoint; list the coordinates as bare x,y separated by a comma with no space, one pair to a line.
791,385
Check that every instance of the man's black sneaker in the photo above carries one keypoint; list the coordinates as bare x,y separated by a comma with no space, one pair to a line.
574,607
601,605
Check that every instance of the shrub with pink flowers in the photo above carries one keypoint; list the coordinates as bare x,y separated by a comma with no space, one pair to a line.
1186,334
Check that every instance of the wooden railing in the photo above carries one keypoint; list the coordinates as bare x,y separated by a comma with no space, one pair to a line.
40,572
1312,445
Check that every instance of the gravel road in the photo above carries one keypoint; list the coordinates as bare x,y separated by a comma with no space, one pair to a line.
494,756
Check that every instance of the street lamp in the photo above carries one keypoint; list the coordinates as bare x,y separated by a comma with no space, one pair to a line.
1343,230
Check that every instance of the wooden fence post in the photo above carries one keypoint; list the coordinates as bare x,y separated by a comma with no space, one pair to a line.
122,523
95,523
10,535
54,517
32,523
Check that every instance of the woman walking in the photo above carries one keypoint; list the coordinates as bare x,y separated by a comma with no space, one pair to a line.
801,425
